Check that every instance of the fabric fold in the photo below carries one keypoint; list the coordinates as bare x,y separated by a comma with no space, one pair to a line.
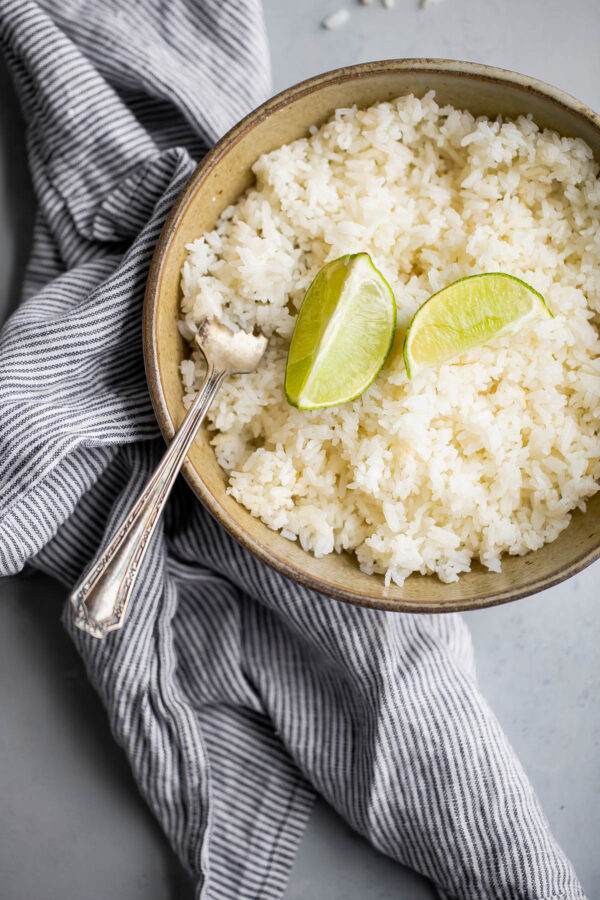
236,694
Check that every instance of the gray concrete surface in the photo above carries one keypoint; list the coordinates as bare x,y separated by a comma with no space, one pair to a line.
71,822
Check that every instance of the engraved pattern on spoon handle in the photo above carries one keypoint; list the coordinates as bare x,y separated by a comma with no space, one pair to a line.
100,598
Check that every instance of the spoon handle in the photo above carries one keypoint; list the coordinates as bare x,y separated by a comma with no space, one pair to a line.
101,596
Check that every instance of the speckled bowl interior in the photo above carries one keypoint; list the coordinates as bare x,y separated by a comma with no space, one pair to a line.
217,182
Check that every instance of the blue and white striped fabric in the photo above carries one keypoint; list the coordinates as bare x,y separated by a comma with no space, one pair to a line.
236,694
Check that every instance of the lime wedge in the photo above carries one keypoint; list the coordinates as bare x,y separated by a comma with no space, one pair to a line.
343,334
468,313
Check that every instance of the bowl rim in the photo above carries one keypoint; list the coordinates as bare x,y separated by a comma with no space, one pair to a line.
478,71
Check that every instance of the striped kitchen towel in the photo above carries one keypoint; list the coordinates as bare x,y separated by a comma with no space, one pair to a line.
236,694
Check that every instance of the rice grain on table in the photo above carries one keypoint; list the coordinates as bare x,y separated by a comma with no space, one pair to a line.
487,454
336,19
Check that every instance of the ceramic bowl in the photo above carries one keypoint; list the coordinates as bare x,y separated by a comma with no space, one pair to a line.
219,179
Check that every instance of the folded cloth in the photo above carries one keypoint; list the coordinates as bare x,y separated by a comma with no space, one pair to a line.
236,694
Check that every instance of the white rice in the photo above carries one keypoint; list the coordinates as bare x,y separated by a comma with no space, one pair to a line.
336,19
484,455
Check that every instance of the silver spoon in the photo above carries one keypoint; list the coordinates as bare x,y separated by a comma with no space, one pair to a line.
101,596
